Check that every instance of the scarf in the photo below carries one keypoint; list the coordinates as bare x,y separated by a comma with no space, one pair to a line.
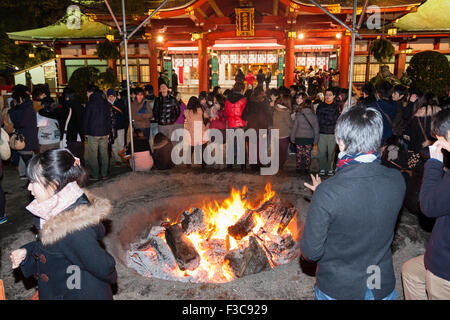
362,157
57,203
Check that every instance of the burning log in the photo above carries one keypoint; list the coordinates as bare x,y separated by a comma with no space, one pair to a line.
247,261
182,248
193,221
275,214
243,226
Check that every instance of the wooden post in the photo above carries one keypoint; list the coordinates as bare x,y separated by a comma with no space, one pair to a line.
344,61
153,57
203,76
289,61
400,60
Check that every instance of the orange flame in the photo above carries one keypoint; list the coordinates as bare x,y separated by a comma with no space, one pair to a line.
218,218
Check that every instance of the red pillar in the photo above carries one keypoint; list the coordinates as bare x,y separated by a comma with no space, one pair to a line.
202,65
153,57
289,62
344,61
400,60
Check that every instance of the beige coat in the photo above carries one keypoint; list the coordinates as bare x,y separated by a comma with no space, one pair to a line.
282,120
190,119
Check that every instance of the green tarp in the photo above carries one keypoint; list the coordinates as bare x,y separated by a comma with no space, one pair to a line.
433,15
61,31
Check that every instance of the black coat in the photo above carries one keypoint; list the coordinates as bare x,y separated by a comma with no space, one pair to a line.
97,116
69,241
350,227
166,110
120,113
75,126
23,116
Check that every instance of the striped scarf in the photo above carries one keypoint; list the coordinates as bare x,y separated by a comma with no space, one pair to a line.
345,159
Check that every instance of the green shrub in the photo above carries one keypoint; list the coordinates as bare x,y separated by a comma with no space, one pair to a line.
107,50
429,72
107,80
382,50
81,78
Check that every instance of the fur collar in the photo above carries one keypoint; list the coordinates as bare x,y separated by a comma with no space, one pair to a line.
82,216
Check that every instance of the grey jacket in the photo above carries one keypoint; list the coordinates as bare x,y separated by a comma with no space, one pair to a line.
349,230
303,129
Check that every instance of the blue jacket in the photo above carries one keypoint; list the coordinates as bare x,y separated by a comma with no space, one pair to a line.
387,109
67,242
23,117
348,230
97,116
435,203
327,115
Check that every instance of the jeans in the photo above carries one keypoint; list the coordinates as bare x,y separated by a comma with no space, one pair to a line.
319,295
327,145
96,145
153,132
118,145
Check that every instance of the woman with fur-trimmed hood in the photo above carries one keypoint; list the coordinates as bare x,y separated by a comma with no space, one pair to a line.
66,258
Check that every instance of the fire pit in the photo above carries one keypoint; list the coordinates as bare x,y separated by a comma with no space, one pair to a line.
219,241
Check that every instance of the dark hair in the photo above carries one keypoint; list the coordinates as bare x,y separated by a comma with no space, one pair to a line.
258,94
216,90
303,95
203,95
149,88
238,86
20,92
441,123
92,88
221,100
138,90
193,104
428,99
56,168
384,90
159,138
274,92
38,90
285,100
307,104
401,89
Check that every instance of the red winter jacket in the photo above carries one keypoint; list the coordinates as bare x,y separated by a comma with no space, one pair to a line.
234,106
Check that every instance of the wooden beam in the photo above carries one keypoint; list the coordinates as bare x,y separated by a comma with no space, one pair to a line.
275,7
202,13
216,8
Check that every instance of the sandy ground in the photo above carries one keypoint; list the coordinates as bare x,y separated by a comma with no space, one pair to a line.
140,193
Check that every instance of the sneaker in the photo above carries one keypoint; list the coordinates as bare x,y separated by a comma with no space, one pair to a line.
104,178
322,172
3,220
330,173
23,178
93,178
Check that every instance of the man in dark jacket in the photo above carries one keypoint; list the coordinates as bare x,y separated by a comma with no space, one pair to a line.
327,114
268,79
428,276
260,78
166,111
348,230
23,117
174,81
120,114
386,107
97,127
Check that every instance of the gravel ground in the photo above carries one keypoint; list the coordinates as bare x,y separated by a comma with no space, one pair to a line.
141,193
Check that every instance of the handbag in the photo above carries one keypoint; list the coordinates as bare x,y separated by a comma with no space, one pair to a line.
63,142
17,141
5,150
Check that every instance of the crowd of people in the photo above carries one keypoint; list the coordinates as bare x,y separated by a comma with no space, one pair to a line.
377,143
